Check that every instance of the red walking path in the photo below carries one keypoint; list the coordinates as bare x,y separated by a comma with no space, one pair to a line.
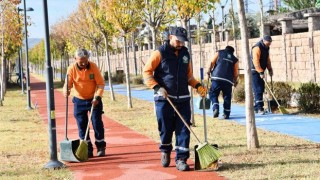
129,154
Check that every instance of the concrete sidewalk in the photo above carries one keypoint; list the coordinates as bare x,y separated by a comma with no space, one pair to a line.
294,125
129,155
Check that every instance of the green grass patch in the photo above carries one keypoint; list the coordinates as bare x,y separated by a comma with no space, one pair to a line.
279,157
24,141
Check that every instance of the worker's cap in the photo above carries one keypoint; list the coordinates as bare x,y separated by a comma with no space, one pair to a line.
267,38
230,49
180,33
82,53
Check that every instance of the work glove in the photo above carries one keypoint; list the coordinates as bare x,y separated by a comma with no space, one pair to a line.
209,72
235,83
262,75
66,92
202,91
271,72
95,101
162,92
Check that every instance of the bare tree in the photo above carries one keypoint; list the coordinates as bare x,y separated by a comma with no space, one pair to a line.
252,135
261,19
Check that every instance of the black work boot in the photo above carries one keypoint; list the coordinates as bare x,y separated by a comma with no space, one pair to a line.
101,152
181,165
90,150
225,116
215,113
261,112
165,159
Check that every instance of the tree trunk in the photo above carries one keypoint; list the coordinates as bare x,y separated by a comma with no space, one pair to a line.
261,19
109,67
61,65
97,55
2,78
134,55
234,29
127,73
184,23
154,37
252,135
214,43
149,43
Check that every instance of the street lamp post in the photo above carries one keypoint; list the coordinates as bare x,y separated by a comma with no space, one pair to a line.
54,163
20,53
27,60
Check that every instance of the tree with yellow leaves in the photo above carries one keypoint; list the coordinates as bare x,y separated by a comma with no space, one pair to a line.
10,39
126,16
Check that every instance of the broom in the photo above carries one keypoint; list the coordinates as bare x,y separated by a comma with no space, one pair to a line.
208,154
82,150
281,109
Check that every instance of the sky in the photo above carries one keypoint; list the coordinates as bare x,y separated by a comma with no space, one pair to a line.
58,9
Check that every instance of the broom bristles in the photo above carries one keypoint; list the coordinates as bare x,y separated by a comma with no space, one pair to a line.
283,110
82,151
207,155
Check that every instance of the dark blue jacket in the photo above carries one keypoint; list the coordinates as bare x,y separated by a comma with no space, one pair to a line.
172,73
263,57
224,67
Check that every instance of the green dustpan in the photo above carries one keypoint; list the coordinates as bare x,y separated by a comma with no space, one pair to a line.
206,103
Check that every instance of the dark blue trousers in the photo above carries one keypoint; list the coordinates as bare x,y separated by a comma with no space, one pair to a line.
216,88
81,109
258,90
169,122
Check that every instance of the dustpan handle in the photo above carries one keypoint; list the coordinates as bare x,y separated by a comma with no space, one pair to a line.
183,120
204,107
67,109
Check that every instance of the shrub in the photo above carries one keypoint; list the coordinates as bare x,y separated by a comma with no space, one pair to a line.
118,78
239,93
137,80
282,91
309,100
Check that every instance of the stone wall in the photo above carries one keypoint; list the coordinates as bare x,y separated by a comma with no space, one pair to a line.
292,66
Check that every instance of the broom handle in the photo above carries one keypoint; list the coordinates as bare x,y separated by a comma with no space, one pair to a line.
271,83
271,92
183,120
87,131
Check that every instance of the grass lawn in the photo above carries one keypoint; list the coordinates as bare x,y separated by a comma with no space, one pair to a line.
24,138
24,141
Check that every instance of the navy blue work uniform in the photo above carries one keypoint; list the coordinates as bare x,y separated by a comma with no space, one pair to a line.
171,74
257,81
222,77
81,109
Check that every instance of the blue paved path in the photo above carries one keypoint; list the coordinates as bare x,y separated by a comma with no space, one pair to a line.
300,126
